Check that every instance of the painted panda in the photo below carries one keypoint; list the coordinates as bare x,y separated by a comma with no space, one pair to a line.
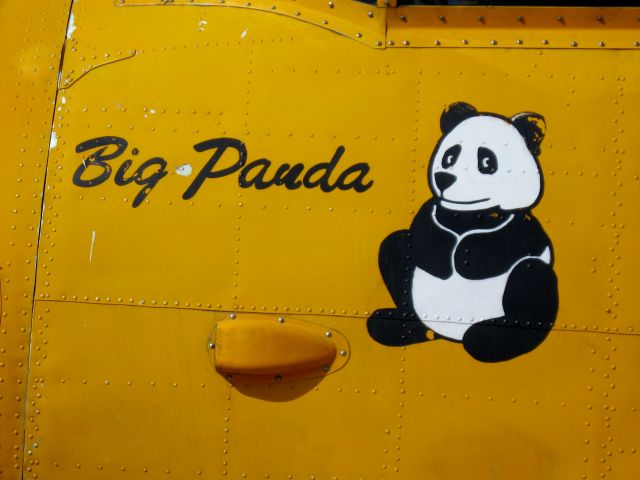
475,266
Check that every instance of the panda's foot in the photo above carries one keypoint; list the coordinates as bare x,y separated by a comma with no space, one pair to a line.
503,338
396,327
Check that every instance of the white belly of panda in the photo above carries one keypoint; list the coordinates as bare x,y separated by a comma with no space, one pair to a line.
449,307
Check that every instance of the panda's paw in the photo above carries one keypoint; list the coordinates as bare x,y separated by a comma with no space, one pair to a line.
501,339
396,327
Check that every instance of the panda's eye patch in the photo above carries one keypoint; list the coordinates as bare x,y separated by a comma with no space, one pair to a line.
450,157
487,161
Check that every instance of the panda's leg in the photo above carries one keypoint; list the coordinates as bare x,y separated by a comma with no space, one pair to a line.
397,326
396,267
530,303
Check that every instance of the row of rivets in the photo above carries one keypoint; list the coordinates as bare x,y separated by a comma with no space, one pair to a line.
494,42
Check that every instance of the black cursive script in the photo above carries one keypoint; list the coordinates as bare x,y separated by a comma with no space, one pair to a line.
95,169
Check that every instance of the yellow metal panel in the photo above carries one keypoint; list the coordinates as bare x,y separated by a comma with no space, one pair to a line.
31,35
513,27
128,297
358,21
104,406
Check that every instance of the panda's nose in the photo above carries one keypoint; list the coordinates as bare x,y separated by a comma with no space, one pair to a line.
444,180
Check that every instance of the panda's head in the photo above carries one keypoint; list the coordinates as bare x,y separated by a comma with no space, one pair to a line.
484,160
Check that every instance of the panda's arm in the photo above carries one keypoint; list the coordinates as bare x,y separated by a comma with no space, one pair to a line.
485,255
430,245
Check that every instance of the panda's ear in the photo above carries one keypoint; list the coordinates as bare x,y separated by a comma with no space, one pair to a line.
455,114
532,128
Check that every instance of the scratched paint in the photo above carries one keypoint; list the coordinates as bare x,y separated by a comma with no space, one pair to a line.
93,241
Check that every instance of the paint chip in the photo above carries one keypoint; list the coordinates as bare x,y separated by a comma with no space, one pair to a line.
184,170
72,26
54,140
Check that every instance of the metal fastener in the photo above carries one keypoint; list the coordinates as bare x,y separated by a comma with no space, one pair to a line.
391,42
437,42
359,35
405,43
519,42
403,18
574,44
325,369
494,42
520,18
465,42
212,345
232,316
343,353
601,44
370,14
278,378
545,42
280,319
328,334
443,19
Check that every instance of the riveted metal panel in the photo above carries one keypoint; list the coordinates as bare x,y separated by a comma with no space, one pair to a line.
513,27
31,37
128,296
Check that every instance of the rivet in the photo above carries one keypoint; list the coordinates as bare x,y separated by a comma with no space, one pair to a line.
378,43
343,353
443,19
560,19
278,378
601,44
574,44
391,42
545,42
520,18
519,42
212,345
405,42
403,18
331,5
600,18
359,35
325,369
328,334
232,316
494,42
370,14
229,377
325,22
437,42
636,43
481,19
